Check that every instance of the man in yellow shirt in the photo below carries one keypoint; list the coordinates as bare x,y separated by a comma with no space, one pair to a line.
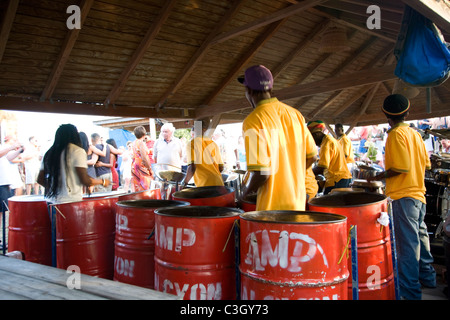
406,160
312,187
345,142
204,160
278,145
332,162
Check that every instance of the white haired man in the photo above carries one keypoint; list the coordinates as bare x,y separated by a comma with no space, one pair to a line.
168,150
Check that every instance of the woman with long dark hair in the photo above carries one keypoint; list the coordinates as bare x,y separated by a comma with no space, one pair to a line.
64,167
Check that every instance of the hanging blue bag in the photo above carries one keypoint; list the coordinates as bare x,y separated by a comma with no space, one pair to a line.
423,58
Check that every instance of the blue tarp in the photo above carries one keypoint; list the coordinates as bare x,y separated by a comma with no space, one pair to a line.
121,137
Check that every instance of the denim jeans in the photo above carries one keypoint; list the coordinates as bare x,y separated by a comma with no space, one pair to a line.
343,183
413,248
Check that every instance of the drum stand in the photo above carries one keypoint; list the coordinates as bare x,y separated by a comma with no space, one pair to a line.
4,246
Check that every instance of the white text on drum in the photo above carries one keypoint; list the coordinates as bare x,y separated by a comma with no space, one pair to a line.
245,290
196,291
261,254
124,267
164,237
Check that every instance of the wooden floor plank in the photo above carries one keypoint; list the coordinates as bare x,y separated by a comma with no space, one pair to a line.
57,278
40,290
7,295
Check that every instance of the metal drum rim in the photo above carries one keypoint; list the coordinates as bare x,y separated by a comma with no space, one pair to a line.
32,198
338,217
180,194
129,203
353,193
228,212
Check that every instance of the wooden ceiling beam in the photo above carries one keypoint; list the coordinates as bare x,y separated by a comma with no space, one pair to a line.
358,26
362,11
435,10
362,91
5,28
379,57
140,51
413,115
19,104
201,51
60,62
386,26
353,57
322,26
251,52
386,6
271,18
366,103
354,79
368,100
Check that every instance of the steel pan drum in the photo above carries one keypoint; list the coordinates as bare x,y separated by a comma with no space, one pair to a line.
30,228
195,252
85,232
291,255
218,196
375,269
134,245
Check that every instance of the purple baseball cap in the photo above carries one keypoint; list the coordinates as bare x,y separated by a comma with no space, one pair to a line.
257,78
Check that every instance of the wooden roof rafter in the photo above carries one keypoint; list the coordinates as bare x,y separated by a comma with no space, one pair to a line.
299,48
198,55
362,110
343,66
140,52
7,23
64,53
354,79
271,18
355,25
251,52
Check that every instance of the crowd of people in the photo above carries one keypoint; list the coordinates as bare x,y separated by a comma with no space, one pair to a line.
23,166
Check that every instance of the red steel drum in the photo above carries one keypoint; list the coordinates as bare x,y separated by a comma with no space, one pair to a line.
85,232
141,195
249,203
98,195
375,270
30,228
195,252
134,246
293,255
218,196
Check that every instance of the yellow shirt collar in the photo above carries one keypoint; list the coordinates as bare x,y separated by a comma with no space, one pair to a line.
270,100
400,124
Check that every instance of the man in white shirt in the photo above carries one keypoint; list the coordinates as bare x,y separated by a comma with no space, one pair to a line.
32,163
168,150
7,153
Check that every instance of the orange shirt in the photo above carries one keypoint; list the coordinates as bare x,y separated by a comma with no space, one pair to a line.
277,143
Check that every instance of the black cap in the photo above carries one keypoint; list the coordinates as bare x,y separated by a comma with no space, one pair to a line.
395,105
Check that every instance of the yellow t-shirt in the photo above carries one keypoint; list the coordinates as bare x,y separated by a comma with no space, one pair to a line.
277,143
311,183
405,152
205,154
348,148
332,158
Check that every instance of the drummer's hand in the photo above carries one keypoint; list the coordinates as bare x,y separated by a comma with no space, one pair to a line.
106,183
377,177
